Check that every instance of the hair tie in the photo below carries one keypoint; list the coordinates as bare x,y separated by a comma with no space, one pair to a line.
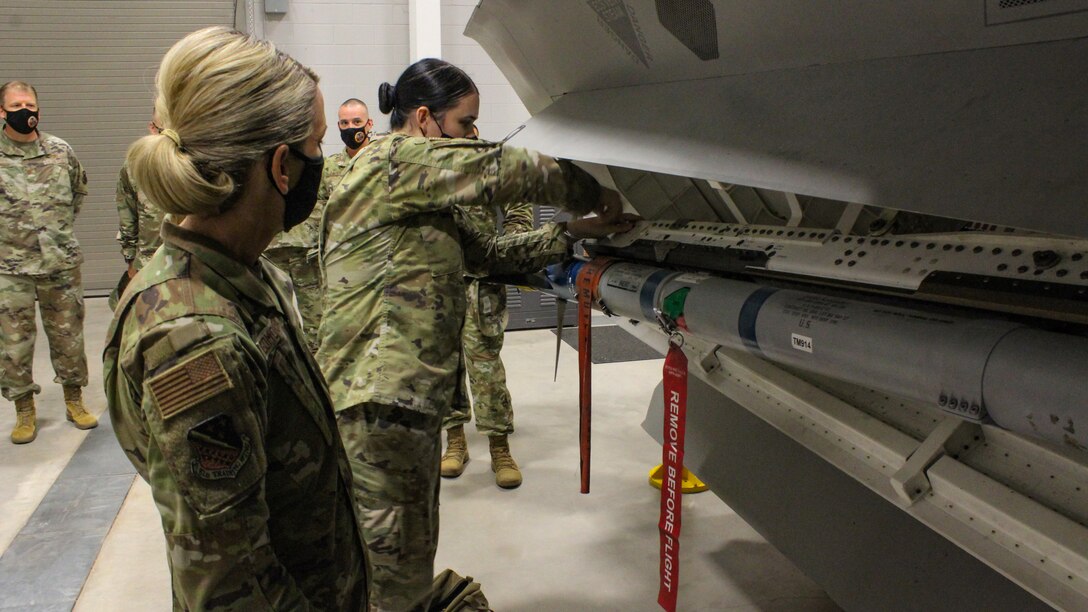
172,135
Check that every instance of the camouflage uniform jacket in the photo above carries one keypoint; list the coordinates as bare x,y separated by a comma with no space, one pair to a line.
487,301
42,186
218,404
140,221
516,219
395,249
305,234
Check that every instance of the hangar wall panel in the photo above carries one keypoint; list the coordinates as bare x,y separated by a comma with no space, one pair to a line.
353,45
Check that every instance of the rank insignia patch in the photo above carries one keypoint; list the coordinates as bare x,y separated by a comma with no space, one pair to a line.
189,383
219,451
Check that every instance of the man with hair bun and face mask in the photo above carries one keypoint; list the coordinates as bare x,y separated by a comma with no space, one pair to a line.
295,251
42,186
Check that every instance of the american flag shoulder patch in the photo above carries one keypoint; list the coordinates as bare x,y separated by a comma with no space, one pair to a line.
189,383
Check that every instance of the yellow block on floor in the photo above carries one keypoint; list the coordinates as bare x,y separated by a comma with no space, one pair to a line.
689,483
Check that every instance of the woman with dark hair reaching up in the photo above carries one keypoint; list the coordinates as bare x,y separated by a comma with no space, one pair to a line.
394,256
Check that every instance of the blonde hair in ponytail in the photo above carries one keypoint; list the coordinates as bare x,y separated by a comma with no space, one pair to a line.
224,100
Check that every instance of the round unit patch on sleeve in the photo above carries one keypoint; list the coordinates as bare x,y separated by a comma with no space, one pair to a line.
219,449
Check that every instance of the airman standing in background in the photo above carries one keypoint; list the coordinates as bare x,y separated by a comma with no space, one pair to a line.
140,220
42,186
481,342
295,251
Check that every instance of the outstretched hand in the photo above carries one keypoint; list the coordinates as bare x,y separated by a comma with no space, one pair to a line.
599,227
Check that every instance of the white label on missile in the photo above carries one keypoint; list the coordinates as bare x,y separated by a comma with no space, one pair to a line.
801,343
693,278
623,279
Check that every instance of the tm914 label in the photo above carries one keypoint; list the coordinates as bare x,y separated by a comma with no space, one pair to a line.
801,343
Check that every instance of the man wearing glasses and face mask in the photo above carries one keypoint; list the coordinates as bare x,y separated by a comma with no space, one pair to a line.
141,222
295,252
42,186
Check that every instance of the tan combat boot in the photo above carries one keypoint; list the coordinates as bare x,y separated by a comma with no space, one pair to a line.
73,399
456,455
26,425
507,474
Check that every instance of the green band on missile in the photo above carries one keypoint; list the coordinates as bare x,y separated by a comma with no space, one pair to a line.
673,306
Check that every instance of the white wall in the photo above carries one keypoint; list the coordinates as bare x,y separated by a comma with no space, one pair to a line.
500,109
354,45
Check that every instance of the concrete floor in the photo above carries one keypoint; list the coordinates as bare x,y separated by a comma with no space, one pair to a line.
542,547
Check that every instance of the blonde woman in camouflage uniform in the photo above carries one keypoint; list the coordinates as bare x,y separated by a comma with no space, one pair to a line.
42,186
395,248
213,394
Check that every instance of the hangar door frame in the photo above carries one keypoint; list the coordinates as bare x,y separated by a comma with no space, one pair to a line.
93,63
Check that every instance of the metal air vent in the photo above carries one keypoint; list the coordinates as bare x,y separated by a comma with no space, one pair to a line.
1015,3
693,23
545,214
513,297
1005,11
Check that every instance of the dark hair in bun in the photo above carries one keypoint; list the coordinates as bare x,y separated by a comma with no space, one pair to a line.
387,98
430,82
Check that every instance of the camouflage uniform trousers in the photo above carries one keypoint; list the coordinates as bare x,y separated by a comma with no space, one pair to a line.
394,455
481,342
60,295
301,264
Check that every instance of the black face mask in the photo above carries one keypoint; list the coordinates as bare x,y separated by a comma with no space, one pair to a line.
23,120
299,201
355,137
441,130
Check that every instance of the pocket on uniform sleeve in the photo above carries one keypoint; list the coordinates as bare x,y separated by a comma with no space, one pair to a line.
202,413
